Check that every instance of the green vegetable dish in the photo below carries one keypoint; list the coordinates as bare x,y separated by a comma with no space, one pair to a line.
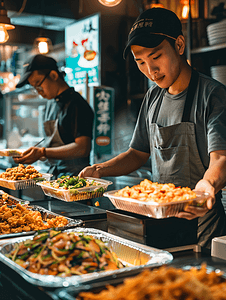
73,188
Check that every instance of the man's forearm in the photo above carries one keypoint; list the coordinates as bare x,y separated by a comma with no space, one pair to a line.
122,164
65,152
216,173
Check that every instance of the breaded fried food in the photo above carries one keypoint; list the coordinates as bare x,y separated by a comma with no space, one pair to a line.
21,218
20,173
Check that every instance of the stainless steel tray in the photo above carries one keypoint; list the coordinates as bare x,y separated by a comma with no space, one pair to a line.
23,184
14,200
73,292
135,255
154,209
46,214
76,194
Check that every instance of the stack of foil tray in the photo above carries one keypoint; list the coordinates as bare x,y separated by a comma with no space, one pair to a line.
135,256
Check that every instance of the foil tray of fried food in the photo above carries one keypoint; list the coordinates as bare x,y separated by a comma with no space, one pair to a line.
164,282
134,257
156,200
5,198
23,220
22,177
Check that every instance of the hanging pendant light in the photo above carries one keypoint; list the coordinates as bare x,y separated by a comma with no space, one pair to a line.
42,43
4,24
185,8
152,4
110,3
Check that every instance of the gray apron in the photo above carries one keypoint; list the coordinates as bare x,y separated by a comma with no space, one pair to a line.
61,167
175,159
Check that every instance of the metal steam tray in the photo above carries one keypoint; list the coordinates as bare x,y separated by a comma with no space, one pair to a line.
23,184
46,214
70,195
154,209
73,292
12,200
136,256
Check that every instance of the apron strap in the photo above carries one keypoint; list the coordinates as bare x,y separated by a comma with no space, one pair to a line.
157,108
190,95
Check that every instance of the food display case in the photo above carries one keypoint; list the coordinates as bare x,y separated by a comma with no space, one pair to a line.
24,111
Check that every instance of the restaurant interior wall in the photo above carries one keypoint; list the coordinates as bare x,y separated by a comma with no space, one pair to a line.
129,84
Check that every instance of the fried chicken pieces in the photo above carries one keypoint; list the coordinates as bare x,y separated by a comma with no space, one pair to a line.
20,218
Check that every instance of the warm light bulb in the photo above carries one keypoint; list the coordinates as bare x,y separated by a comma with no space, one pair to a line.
3,34
110,2
158,5
185,11
43,47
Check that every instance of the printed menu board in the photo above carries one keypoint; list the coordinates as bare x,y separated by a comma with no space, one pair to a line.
82,47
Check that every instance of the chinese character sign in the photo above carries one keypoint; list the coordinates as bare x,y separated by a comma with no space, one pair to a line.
103,120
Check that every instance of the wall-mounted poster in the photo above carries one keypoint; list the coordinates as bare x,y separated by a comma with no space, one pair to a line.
103,120
82,46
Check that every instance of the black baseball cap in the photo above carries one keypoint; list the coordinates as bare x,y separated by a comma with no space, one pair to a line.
152,27
37,62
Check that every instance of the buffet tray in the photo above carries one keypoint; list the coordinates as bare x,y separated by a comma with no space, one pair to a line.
154,209
73,292
23,184
76,194
11,152
13,200
135,256
46,214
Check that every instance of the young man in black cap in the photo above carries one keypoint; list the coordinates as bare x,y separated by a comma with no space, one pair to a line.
181,127
68,121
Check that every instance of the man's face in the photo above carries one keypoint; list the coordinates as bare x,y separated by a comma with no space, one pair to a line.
160,64
44,85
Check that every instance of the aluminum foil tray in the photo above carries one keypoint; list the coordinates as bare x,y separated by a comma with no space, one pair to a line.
11,152
135,255
46,214
76,194
73,292
154,209
23,184
12,200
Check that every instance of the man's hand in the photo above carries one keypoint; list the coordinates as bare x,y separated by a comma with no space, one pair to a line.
192,212
92,171
30,156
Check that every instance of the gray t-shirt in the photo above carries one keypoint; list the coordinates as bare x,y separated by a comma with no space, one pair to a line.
208,114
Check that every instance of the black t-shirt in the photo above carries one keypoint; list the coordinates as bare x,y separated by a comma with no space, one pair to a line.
75,116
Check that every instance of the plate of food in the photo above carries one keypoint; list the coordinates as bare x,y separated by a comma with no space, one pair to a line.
156,200
22,177
72,188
